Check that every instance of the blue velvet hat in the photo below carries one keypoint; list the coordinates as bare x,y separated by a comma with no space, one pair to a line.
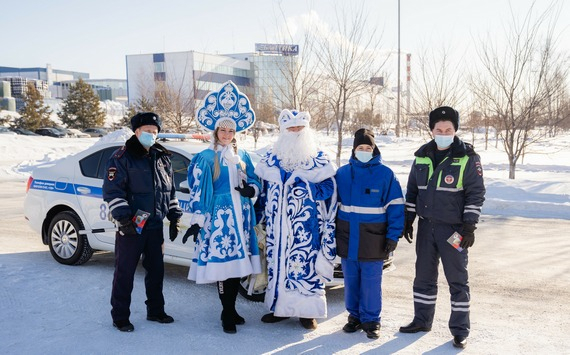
228,105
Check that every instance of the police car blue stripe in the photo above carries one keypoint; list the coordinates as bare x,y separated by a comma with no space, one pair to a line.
79,190
55,186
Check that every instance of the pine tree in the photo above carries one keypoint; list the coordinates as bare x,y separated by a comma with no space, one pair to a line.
81,107
34,114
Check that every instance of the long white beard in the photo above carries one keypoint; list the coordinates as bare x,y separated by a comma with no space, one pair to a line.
295,149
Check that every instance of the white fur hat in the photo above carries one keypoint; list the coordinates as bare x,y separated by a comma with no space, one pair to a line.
293,118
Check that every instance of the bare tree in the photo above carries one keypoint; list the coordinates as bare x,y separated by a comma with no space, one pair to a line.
172,94
557,103
346,57
175,99
517,81
295,84
142,104
437,83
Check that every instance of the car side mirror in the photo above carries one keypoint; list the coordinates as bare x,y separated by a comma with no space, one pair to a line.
184,187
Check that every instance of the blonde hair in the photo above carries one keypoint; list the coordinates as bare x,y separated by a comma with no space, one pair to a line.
216,173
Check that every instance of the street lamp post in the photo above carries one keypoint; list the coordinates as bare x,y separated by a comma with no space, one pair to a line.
398,101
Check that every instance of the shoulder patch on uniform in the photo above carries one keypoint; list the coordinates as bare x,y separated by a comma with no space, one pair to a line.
111,173
479,168
119,152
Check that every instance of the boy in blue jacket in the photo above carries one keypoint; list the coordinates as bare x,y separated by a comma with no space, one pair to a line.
369,222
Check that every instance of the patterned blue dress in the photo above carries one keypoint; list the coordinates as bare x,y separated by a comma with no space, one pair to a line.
227,244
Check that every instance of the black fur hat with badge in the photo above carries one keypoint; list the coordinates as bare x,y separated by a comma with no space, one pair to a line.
444,113
365,136
145,118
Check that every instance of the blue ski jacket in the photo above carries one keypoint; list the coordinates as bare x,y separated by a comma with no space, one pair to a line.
371,209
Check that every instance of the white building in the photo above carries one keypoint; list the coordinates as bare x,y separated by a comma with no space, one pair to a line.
193,74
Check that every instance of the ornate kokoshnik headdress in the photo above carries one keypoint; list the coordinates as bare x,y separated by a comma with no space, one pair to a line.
227,107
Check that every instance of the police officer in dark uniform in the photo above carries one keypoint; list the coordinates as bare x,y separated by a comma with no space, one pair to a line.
446,190
139,184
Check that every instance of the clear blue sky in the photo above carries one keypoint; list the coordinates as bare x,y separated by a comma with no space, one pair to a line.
95,36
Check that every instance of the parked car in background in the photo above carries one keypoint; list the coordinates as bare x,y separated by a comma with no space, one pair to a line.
62,130
24,132
50,132
4,130
75,133
96,131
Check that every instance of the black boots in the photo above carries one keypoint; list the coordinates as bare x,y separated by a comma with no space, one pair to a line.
372,329
227,291
238,320
414,328
352,325
459,341
228,323
123,325
272,318
160,318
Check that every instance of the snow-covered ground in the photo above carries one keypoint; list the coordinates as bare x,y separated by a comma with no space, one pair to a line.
519,274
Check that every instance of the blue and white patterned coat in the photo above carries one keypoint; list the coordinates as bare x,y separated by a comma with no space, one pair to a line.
227,244
299,211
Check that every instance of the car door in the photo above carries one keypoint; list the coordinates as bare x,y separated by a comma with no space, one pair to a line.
89,191
176,249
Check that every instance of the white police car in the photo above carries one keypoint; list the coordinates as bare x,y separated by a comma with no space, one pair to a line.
64,202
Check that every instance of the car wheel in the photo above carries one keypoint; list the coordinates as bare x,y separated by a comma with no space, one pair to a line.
256,296
66,245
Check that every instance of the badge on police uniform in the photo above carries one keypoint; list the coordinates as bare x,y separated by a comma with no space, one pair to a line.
111,173
479,168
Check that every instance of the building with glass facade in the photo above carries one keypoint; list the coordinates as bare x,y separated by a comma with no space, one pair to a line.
260,74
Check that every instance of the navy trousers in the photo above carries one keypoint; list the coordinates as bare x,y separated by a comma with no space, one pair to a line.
363,289
128,252
431,245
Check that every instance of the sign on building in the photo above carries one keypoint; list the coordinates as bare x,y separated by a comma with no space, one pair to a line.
275,48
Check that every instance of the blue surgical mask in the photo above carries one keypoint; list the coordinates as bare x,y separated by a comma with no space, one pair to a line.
443,141
363,156
147,139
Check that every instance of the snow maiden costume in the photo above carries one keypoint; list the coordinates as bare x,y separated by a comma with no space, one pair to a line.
226,248
299,204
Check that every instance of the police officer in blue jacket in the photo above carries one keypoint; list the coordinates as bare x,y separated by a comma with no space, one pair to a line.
140,182
370,220
446,190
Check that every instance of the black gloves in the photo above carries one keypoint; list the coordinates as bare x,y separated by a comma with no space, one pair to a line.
408,230
192,231
127,226
174,229
390,245
468,235
246,190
